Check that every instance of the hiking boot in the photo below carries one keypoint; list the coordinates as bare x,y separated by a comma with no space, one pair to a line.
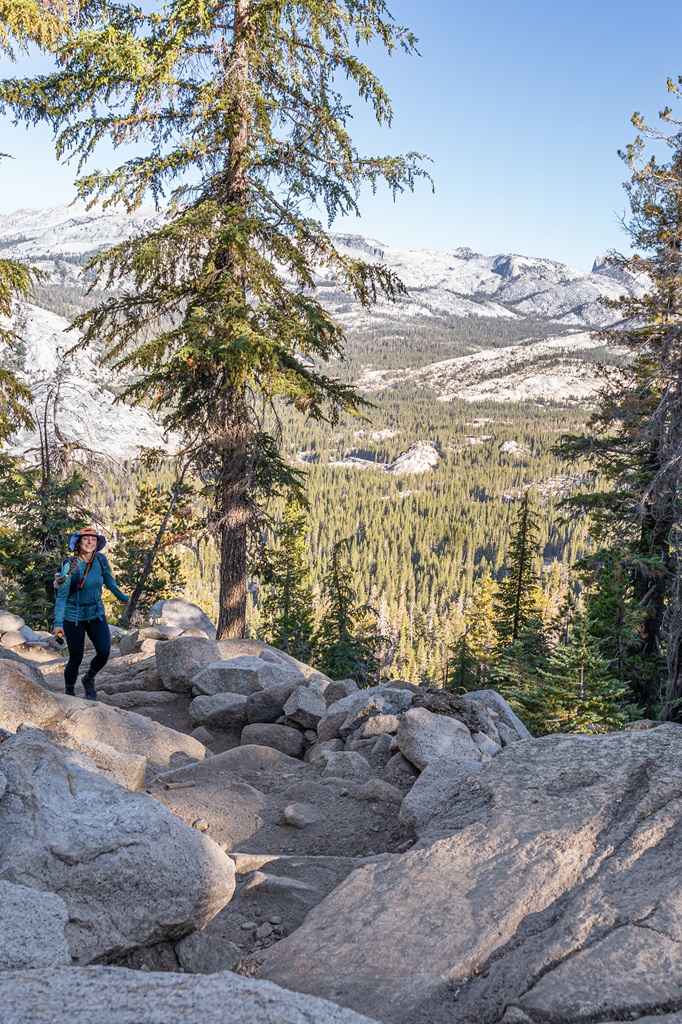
70,691
88,681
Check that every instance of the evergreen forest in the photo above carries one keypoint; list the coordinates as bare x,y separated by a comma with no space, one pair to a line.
539,553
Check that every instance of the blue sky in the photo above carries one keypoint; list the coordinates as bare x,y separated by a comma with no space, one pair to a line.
521,106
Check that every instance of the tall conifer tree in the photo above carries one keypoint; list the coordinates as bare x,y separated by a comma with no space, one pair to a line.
482,638
345,641
576,691
635,438
236,109
287,607
518,593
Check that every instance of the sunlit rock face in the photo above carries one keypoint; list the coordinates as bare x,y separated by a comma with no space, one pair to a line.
117,996
128,872
548,885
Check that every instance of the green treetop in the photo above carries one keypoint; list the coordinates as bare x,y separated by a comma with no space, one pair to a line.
238,118
577,691
635,438
37,516
345,642
287,607
482,639
519,593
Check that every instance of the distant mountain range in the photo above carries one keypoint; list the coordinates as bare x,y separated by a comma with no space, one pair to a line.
457,284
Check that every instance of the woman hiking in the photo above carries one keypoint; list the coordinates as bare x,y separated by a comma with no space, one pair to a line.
79,609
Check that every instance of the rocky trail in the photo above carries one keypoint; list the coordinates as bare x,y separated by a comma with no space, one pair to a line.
229,835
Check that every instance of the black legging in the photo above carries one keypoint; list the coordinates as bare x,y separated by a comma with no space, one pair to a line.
98,631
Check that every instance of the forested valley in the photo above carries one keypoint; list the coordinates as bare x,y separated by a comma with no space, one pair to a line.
531,546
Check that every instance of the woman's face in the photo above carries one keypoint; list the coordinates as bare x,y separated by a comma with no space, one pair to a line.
87,545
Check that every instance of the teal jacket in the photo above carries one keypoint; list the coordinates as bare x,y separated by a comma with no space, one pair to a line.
86,604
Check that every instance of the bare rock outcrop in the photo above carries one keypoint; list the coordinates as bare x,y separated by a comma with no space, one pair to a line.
551,896
179,659
128,871
32,927
120,996
129,732
22,699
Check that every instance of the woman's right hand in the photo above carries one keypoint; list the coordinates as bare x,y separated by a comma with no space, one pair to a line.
57,631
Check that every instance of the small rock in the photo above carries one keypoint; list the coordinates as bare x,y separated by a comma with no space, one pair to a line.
280,737
507,734
375,789
299,815
12,639
485,744
200,953
268,705
306,706
10,623
178,612
148,646
202,734
345,764
249,926
200,824
221,711
338,689
129,643
424,737
179,660
377,725
275,919
264,931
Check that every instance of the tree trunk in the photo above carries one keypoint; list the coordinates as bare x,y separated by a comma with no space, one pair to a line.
234,507
672,709
233,421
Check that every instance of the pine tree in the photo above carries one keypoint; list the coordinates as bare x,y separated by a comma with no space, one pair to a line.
614,618
517,674
346,641
40,23
16,281
148,564
519,593
577,691
37,517
482,638
235,110
463,675
635,437
287,607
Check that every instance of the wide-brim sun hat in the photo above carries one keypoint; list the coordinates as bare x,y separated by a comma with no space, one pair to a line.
87,532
